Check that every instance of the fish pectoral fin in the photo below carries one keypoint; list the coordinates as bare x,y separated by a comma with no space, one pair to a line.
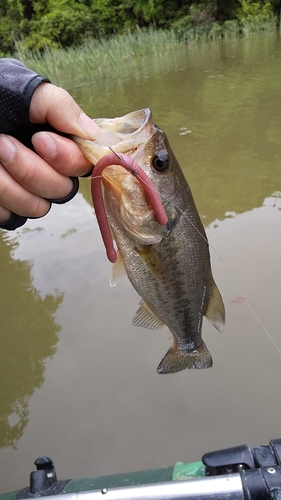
215,312
152,260
146,318
117,271
177,359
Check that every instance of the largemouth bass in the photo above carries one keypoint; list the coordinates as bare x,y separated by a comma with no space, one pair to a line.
167,264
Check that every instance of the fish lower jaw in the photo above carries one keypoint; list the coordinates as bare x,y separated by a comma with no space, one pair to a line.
177,359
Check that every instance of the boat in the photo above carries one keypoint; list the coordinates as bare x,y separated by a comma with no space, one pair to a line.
237,473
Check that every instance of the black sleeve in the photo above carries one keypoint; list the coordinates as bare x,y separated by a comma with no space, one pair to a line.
17,85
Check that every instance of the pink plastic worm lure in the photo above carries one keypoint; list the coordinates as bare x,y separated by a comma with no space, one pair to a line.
129,164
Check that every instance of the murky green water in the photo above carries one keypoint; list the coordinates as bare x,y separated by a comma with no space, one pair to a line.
78,382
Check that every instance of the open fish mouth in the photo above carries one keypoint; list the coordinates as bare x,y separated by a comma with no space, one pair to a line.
128,204
120,143
152,195
123,135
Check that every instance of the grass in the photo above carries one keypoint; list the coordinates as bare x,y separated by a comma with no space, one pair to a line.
101,58
105,58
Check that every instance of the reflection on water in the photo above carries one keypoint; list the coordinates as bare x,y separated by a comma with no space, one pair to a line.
28,337
79,381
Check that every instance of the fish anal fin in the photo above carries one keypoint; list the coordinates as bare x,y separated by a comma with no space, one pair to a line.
152,260
215,311
117,271
146,318
176,359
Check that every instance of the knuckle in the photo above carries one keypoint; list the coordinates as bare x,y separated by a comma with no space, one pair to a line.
29,175
4,214
37,207
3,188
64,98
5,181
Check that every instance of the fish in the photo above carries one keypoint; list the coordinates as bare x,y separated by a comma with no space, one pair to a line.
168,264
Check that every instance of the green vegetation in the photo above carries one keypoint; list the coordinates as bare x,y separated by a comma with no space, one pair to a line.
41,25
103,58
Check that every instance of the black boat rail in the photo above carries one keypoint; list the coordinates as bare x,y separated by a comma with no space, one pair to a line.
237,473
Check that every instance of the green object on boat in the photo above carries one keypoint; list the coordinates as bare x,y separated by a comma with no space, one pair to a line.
184,471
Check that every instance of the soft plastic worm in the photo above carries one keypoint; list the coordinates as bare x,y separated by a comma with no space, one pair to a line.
129,164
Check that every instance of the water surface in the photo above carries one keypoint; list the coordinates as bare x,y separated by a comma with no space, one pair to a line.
78,382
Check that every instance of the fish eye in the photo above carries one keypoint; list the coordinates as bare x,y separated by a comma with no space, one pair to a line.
161,162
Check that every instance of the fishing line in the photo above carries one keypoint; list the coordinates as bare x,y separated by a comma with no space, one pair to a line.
230,273
250,307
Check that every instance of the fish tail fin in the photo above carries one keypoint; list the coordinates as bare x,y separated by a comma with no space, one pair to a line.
177,359
215,311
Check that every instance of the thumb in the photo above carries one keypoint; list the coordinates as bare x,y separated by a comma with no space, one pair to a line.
56,106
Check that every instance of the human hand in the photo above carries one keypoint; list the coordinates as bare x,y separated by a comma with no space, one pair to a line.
27,178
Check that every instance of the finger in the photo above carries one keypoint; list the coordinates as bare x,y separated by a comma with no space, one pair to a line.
5,215
55,105
61,153
31,171
14,198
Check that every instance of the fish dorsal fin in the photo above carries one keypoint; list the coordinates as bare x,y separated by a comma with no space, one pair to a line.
146,318
152,260
117,271
215,312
